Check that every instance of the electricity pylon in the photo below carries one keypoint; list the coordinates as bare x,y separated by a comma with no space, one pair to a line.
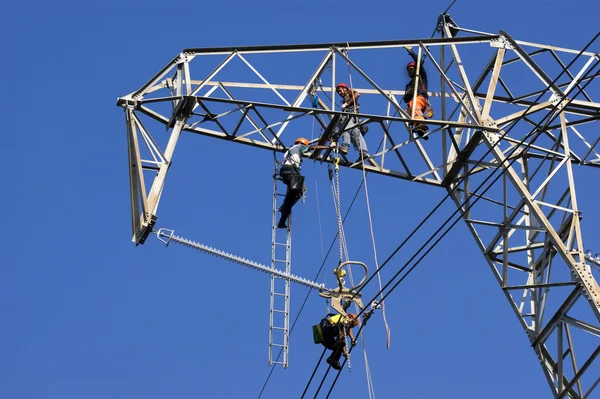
514,119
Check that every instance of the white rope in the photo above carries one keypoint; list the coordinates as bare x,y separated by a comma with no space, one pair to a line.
387,327
312,134
338,211
370,386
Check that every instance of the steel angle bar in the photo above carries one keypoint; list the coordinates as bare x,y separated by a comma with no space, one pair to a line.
582,325
542,285
465,79
274,124
578,375
188,78
451,84
263,79
394,148
134,177
528,247
362,91
352,45
539,72
594,385
211,118
374,117
244,111
155,79
554,48
549,205
531,54
544,184
493,82
302,95
573,79
151,144
213,73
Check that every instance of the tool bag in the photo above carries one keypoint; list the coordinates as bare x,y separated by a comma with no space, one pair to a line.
297,183
318,337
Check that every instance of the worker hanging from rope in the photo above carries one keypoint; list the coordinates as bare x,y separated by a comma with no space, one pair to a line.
351,132
420,101
290,175
331,332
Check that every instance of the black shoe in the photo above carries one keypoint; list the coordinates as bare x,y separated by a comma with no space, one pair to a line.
334,363
281,225
421,131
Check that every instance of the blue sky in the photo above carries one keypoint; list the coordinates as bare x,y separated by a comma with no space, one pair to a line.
88,314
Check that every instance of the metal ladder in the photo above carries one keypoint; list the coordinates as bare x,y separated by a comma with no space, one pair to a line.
281,253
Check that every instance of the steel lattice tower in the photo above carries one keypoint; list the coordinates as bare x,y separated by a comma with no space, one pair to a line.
513,120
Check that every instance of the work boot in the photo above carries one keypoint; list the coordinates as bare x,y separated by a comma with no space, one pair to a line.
343,150
421,130
281,225
334,363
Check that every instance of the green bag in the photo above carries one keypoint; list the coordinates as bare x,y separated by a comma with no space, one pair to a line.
317,334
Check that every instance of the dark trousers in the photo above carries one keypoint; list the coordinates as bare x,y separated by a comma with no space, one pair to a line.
333,340
294,182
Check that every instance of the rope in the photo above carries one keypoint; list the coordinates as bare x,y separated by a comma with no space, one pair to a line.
387,327
312,136
370,386
338,210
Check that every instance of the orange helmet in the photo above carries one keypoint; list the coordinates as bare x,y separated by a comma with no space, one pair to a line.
341,85
354,318
301,140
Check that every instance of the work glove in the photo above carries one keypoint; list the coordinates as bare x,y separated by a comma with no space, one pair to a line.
344,106
353,342
408,48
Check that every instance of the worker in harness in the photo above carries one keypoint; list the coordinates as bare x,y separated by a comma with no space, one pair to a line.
290,175
421,100
335,328
351,133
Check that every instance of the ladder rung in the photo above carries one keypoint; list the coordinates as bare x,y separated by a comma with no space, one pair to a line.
279,294
280,260
279,328
283,244
279,311
280,345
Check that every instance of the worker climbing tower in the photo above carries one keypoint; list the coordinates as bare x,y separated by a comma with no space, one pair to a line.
512,121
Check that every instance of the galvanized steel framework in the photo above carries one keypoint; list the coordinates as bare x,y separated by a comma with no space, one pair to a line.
514,125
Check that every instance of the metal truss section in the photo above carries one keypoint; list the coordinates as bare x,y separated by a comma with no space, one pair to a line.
512,120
